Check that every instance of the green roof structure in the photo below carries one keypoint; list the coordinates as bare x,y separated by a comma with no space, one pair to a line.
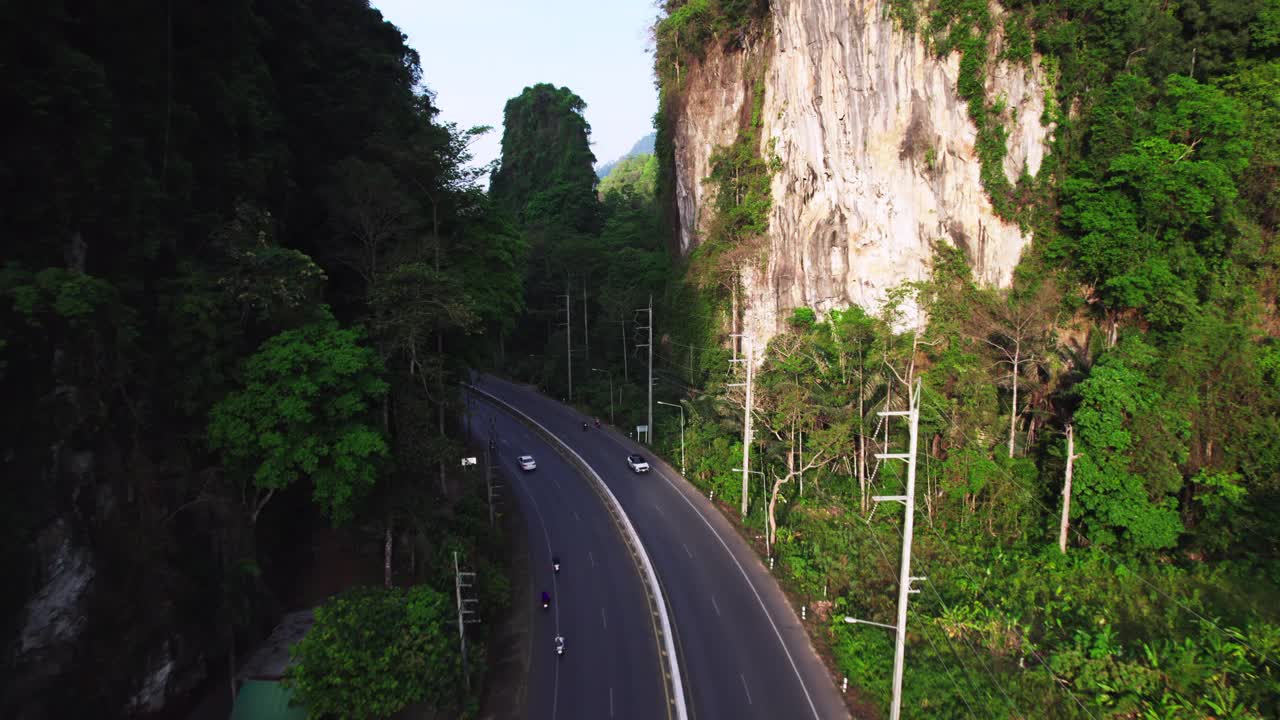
266,700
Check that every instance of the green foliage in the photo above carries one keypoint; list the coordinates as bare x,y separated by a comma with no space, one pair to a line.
636,175
176,211
374,651
545,178
690,26
491,267
905,13
741,175
270,283
1255,88
803,318
1131,442
303,412
1153,222
1143,316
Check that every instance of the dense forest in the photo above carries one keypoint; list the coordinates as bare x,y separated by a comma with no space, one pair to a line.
244,265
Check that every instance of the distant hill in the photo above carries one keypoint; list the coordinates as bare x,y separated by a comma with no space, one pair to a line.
643,145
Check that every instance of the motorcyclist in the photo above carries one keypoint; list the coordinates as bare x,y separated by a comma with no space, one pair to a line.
597,422
559,645
555,562
584,426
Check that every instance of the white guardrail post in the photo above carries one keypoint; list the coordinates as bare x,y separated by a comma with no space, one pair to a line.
651,577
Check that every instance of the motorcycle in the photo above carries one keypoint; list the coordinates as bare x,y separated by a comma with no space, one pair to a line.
555,563
597,423
559,645
546,601
584,427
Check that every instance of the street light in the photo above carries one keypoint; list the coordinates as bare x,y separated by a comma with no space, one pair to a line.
681,409
606,372
765,491
856,621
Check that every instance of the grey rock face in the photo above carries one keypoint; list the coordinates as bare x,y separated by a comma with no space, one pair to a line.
878,158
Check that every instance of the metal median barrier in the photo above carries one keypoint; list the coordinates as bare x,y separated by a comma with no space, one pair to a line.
657,606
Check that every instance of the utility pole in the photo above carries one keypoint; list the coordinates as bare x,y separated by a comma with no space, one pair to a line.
648,327
490,486
681,409
746,419
626,377
649,435
462,582
568,335
612,421
908,501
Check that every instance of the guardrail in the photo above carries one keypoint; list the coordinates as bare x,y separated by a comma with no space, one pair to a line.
657,604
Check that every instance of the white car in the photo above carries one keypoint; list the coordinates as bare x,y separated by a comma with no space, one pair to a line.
637,463
527,463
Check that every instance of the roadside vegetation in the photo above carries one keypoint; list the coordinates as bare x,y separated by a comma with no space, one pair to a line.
1141,327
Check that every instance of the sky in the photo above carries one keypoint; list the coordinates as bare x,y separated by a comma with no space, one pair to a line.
477,54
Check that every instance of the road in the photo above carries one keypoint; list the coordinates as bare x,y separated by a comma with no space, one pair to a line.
610,668
743,652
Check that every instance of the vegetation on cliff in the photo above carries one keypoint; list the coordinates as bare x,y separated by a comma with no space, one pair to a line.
1141,325
599,246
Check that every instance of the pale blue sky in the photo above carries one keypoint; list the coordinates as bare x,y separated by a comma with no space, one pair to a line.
477,54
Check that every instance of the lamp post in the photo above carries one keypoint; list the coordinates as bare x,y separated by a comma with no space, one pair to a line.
767,551
681,409
606,372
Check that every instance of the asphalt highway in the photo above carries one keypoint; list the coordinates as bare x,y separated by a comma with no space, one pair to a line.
610,668
743,652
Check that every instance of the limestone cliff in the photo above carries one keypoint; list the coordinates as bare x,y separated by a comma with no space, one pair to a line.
876,150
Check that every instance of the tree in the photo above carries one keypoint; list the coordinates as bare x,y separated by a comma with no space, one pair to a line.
1149,227
636,175
789,407
546,178
854,335
373,214
303,412
1131,442
374,651
1017,328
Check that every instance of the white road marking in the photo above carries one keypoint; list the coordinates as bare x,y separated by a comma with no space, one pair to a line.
746,689
604,620
658,507
686,550
715,605
555,590
557,483
576,516
592,558
776,633
610,702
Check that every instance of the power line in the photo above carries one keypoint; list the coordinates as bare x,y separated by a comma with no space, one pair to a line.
648,326
884,554
960,566
1136,574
